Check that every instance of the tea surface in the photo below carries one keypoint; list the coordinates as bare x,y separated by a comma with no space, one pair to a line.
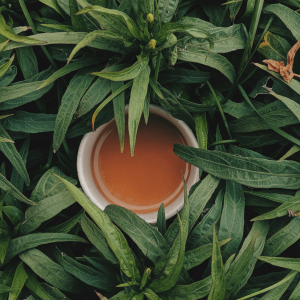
140,183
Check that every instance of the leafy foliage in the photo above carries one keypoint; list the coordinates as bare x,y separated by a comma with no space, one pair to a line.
67,67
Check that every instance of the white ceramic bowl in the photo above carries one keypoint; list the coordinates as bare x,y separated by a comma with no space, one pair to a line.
85,170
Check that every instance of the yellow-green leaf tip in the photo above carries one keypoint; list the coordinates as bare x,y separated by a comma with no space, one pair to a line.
150,18
152,44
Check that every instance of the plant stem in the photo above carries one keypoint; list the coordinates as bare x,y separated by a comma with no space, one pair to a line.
218,103
66,147
223,142
246,51
157,67
31,24
156,5
220,109
249,76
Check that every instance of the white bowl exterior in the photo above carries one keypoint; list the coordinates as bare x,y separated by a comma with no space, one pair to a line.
89,187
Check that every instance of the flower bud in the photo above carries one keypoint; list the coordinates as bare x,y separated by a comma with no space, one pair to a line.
152,44
145,277
150,18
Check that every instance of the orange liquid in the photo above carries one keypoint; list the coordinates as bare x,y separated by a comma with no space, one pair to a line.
140,183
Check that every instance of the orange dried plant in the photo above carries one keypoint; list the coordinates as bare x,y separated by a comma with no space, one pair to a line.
285,71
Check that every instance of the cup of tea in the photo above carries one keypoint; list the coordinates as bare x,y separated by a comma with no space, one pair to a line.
141,182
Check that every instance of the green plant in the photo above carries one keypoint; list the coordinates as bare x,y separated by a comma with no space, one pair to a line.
239,225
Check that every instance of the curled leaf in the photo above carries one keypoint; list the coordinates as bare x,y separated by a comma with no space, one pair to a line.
285,71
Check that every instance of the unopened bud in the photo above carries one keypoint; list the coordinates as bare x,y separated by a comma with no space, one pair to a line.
152,44
150,18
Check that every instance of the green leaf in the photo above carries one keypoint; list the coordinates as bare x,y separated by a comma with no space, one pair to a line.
274,47
29,241
69,103
66,226
197,202
282,240
232,218
264,173
28,62
72,38
198,255
282,210
50,271
23,92
5,140
294,84
9,75
276,114
283,262
202,232
225,39
262,227
10,151
81,63
6,185
23,121
7,289
45,210
291,152
18,281
136,104
171,104
33,285
238,268
150,295
234,8
290,18
86,274
147,238
292,105
296,293
6,280
109,99
4,68
5,240
113,235
214,12
6,31
201,129
128,73
119,15
198,55
49,185
172,264
217,291
15,178
101,264
97,238
161,220
166,9
77,21
95,34
196,290
59,27
15,215
188,29
276,293
85,124
286,279
94,95
183,76
146,106
53,4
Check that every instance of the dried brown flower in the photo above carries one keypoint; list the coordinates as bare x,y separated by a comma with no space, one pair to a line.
285,71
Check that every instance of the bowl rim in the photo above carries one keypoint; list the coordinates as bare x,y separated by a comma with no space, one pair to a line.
85,173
